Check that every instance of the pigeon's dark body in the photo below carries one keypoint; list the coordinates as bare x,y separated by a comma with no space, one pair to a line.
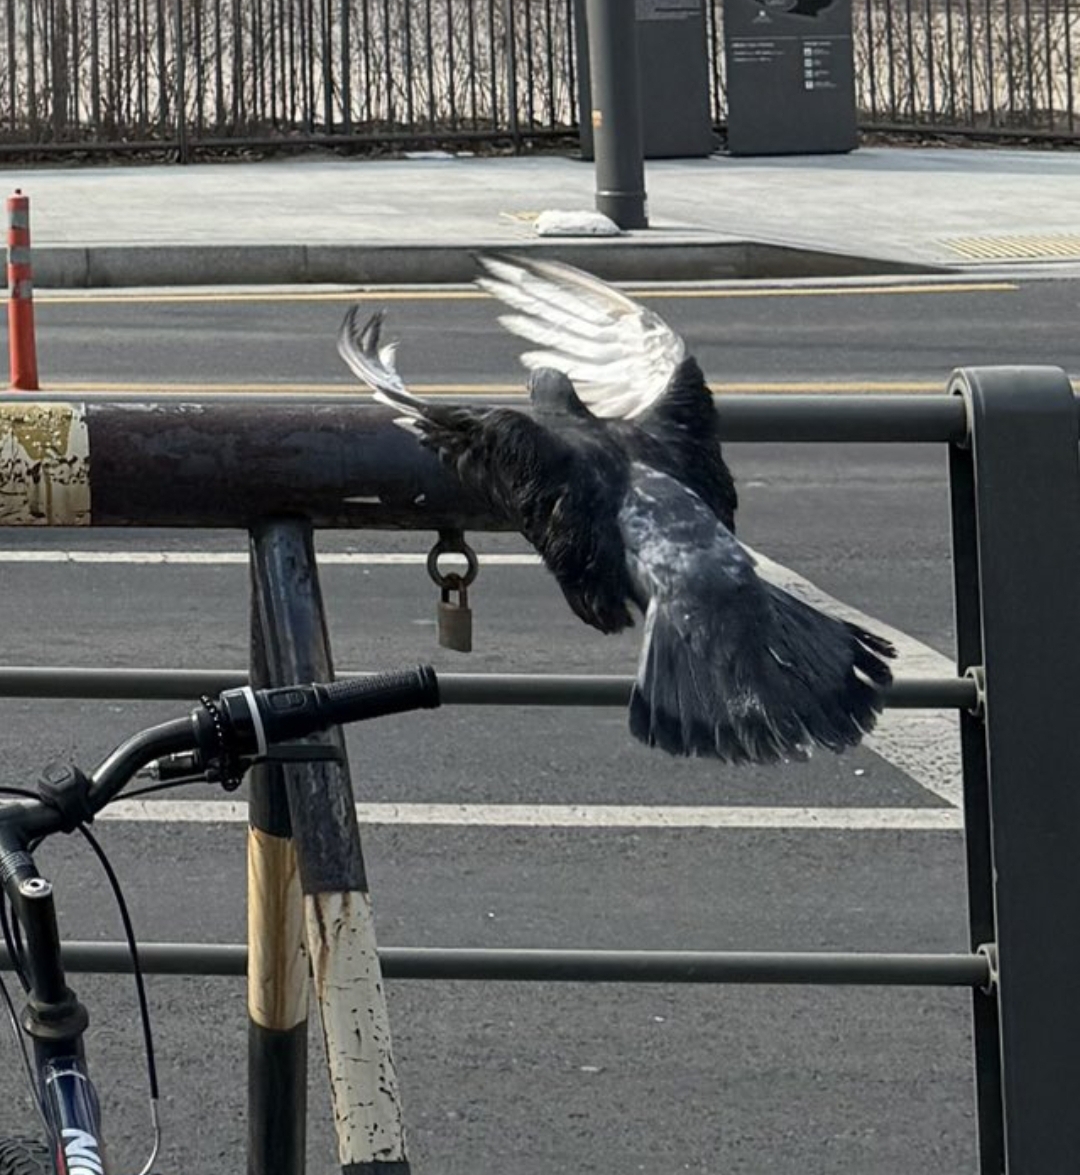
636,516
680,436
559,478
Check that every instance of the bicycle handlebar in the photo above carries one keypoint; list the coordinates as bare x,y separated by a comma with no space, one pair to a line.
296,711
240,725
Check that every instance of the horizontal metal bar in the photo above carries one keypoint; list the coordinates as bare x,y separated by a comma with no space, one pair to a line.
359,139
863,418
119,684
24,147
765,417
283,141
758,967
521,689
968,131
457,689
229,462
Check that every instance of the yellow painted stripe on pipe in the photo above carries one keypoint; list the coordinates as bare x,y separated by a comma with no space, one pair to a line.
44,464
277,962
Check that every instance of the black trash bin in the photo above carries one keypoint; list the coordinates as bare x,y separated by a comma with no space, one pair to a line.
790,77
673,63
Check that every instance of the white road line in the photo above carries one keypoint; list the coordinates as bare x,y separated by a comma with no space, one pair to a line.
924,744
569,816
230,558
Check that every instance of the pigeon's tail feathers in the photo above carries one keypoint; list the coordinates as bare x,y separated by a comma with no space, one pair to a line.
807,680
732,667
673,705
360,344
833,672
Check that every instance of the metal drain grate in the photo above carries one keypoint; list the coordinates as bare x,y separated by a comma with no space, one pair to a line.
1025,247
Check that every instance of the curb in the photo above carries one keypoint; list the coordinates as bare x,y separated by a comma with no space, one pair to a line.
69,267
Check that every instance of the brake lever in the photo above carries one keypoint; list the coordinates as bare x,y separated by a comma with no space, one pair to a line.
302,753
231,779
189,764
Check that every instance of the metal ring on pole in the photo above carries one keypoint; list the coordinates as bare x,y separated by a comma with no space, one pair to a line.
452,542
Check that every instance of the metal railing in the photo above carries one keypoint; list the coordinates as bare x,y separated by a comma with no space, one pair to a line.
278,468
1002,67
192,76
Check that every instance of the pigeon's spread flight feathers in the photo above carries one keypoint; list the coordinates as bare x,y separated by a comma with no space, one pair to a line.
619,354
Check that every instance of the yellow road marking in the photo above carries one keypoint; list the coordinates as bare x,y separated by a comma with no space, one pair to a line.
839,291
284,389
458,295
747,387
811,387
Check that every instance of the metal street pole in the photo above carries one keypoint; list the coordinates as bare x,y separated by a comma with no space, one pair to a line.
616,112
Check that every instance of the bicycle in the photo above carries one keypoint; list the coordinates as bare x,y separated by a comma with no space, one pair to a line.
218,741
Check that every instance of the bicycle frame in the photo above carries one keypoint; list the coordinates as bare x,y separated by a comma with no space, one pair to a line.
56,1020
218,741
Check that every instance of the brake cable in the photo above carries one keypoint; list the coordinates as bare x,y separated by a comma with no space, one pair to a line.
140,989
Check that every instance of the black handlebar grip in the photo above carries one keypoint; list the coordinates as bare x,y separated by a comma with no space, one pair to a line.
379,694
297,711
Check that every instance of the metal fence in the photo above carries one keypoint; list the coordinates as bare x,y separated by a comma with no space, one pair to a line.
279,467
189,76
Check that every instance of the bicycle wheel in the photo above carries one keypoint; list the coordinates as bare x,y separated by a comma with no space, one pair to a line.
25,1156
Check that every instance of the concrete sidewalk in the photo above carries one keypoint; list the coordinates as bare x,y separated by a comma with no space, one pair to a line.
876,211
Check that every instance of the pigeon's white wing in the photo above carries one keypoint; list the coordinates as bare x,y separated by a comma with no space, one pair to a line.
619,354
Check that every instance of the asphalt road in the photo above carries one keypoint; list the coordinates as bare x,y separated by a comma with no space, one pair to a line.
910,331
543,1078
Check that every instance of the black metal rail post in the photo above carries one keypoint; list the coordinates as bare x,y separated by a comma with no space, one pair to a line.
618,140
980,895
288,610
980,872
1017,571
277,971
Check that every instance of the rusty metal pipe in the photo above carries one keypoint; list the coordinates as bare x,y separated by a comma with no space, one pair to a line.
338,463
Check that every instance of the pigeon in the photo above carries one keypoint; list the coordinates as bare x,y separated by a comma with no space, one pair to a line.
731,667
626,364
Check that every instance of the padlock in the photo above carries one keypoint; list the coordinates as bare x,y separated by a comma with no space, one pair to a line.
455,617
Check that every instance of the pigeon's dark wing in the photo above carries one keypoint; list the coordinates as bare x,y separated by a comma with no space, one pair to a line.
561,491
627,364
733,667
